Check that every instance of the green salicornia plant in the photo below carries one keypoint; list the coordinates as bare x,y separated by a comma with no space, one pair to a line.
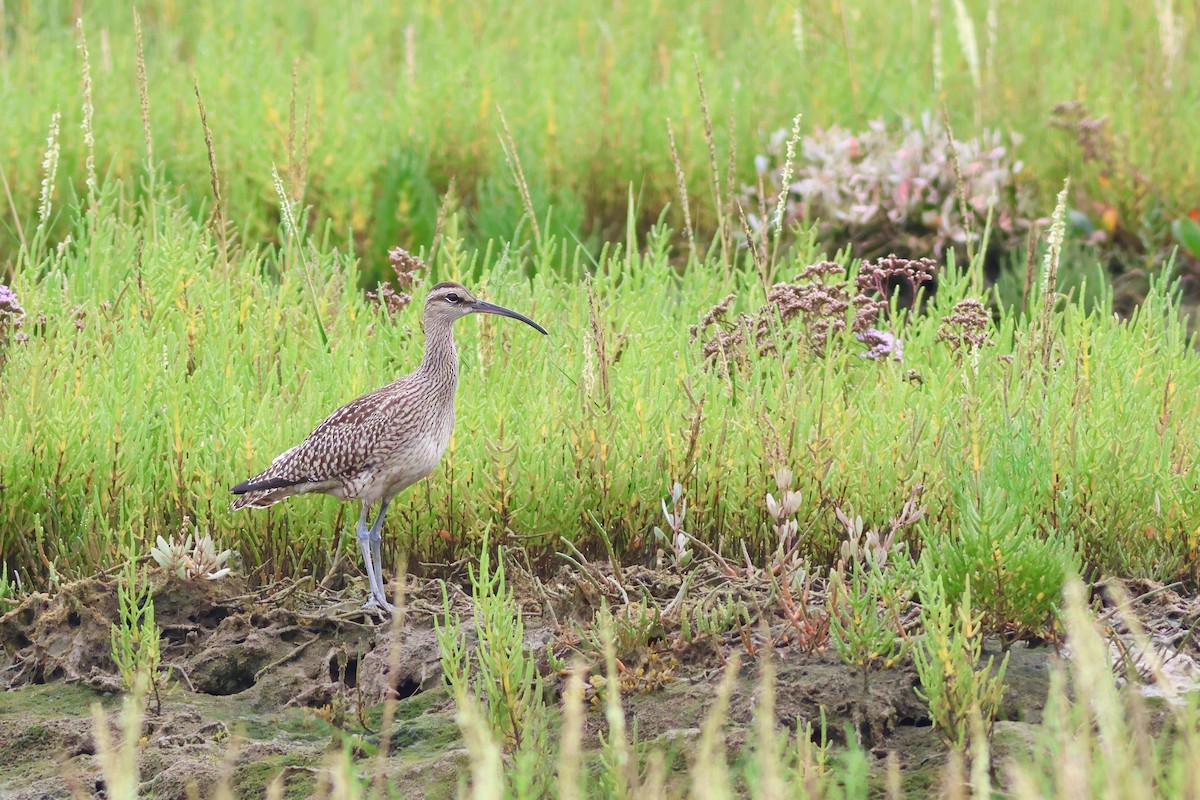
135,637
870,589
11,588
1016,572
498,670
866,601
955,682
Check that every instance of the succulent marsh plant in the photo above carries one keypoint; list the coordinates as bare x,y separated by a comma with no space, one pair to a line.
889,184
783,514
675,538
955,680
192,556
876,544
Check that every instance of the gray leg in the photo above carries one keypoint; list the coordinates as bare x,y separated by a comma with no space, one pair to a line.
364,544
376,537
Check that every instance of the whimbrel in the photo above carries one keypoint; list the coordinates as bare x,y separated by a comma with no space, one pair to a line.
376,446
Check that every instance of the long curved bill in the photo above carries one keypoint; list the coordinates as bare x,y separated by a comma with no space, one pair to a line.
489,308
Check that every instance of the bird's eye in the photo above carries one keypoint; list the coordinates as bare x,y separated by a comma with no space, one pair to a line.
453,298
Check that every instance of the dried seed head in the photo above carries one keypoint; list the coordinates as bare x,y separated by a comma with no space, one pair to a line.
12,317
406,266
966,327
713,316
884,275
391,300
822,270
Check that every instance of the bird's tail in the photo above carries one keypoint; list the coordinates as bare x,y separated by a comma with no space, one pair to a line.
261,492
259,499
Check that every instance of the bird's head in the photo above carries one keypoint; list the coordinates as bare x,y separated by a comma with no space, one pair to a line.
447,302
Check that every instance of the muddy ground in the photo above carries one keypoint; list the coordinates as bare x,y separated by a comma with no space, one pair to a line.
284,676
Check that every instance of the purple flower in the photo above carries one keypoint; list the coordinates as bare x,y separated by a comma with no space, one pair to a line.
12,316
881,344
9,307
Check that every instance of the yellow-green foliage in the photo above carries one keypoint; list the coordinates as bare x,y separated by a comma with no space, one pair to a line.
866,600
496,668
955,682
162,376
135,645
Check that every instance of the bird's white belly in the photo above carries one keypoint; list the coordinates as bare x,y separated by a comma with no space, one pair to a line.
406,466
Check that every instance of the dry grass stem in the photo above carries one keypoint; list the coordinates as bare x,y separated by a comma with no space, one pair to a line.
730,178
143,88
710,773
291,131
218,218
12,205
396,632
935,20
681,185
760,259
570,754
289,221
771,781
968,43
449,199
1058,231
486,764
513,159
993,38
964,208
49,172
118,760
848,49
785,183
723,230
410,54
1170,37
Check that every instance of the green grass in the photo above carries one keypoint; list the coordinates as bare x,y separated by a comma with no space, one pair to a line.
185,375
585,89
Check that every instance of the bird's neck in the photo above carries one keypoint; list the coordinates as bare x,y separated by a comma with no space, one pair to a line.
441,358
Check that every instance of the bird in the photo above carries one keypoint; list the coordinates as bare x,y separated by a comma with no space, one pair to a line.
379,444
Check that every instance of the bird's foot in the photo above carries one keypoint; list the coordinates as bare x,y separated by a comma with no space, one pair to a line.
375,607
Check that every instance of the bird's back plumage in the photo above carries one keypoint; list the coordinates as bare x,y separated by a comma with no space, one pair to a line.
339,446
368,449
